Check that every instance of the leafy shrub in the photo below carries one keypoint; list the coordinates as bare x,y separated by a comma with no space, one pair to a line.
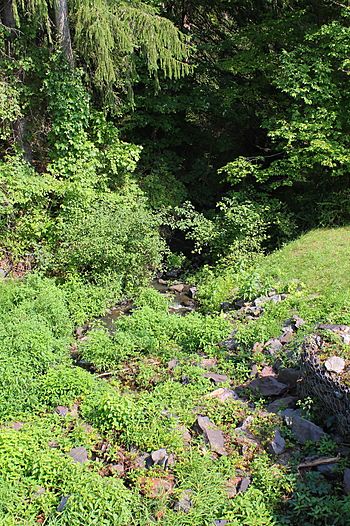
35,333
37,477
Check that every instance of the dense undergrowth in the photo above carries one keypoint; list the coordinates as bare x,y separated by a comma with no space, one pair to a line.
148,144
143,405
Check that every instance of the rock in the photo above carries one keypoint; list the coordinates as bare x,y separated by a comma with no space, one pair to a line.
160,457
192,291
258,347
177,288
281,403
216,378
303,430
231,487
276,298
346,481
221,522
162,282
329,471
254,371
143,461
289,376
79,454
184,503
287,336
223,394
186,435
273,345
346,338
259,302
117,469
3,273
63,503
172,364
156,488
230,344
277,445
172,274
17,425
244,484
335,364
298,322
62,410
268,386
226,306
212,435
207,363
267,371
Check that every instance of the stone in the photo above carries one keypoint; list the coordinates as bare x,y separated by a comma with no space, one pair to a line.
207,363
268,386
62,410
258,347
329,471
192,291
289,376
177,288
221,522
17,425
287,336
156,488
160,457
303,430
216,378
335,364
212,435
244,484
346,338
267,371
186,435
273,345
346,481
63,503
277,445
184,503
79,454
162,282
281,403
172,364
259,302
231,487
226,306
223,394
230,344
117,469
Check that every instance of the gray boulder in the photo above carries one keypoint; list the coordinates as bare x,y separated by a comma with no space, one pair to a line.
277,445
268,386
212,435
303,430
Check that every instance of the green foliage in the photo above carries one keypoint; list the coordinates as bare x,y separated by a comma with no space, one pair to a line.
35,335
151,329
28,465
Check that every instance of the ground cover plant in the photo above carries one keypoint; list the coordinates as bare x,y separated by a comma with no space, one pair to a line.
174,248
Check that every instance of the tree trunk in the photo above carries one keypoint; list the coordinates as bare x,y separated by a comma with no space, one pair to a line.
8,20
63,31
7,16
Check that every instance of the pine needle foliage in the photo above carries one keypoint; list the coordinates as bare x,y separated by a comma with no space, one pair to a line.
110,36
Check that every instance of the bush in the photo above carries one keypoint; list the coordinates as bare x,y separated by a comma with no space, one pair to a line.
35,332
